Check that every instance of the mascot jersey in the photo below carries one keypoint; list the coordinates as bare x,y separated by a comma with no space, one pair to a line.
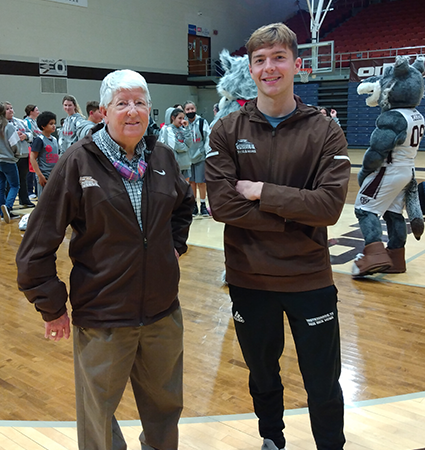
405,153
377,191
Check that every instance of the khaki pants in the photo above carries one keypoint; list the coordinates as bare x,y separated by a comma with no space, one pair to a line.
152,357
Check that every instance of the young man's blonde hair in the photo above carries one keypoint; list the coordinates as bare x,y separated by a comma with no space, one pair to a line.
269,35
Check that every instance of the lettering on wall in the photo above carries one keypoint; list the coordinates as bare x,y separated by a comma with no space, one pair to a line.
365,68
53,67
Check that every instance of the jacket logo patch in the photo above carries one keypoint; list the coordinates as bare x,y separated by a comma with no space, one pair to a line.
87,182
244,146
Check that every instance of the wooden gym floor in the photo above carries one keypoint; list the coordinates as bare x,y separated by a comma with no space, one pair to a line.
383,354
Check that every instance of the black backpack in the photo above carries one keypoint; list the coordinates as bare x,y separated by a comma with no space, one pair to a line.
201,127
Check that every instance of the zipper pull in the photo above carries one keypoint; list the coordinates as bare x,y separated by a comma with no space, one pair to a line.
145,242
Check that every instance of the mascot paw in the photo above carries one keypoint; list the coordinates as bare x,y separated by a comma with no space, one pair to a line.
417,226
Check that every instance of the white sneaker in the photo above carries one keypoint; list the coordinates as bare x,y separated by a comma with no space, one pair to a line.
268,444
23,222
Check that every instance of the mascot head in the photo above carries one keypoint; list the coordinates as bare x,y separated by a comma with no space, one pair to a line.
401,85
236,85
236,82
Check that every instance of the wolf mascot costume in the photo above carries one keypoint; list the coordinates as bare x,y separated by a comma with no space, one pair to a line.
387,174
236,86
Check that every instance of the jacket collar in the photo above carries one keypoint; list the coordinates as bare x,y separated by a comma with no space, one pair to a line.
302,110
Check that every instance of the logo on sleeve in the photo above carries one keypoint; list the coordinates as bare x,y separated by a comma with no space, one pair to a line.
244,146
87,182
160,173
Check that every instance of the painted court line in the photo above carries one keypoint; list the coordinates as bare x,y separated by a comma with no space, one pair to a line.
222,418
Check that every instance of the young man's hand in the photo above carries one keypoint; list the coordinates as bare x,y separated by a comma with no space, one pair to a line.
251,190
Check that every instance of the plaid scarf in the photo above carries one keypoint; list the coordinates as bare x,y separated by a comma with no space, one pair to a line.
128,172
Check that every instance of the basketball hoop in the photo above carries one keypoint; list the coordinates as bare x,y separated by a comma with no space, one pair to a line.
304,74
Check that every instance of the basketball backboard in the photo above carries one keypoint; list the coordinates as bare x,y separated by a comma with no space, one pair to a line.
319,56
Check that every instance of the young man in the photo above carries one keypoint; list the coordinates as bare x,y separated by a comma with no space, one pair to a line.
45,150
277,175
200,130
94,115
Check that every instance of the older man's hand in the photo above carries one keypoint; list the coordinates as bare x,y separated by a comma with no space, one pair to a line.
251,190
56,329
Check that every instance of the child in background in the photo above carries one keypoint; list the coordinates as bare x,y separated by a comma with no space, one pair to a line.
179,138
44,151
31,114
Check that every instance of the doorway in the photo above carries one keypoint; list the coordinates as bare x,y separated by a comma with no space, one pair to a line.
199,55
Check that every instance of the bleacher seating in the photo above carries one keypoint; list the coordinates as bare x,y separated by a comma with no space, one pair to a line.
300,22
380,26
300,25
376,31
308,92
399,25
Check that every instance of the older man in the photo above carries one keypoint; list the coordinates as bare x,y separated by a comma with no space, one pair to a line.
130,211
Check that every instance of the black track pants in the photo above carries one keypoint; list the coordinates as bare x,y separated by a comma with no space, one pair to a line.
313,318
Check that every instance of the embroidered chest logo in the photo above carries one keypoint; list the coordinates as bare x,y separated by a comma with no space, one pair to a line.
244,146
87,182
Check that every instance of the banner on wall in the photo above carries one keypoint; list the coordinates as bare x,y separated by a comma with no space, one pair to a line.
53,67
72,2
365,68
198,31
202,31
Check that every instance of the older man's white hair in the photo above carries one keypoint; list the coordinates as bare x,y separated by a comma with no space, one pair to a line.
119,80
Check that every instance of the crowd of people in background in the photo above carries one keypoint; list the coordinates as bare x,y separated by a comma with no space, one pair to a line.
29,152
187,133
27,157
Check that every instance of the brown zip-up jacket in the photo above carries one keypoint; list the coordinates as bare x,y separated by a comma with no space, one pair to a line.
121,276
278,243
